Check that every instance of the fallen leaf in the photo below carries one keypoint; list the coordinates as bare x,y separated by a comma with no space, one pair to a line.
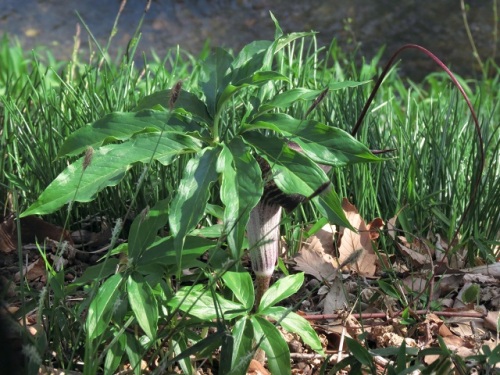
356,248
444,331
34,271
391,227
256,368
374,227
33,229
491,320
415,284
323,239
335,298
312,260
453,342
490,270
417,252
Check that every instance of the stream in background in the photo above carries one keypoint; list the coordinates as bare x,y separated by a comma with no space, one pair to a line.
435,24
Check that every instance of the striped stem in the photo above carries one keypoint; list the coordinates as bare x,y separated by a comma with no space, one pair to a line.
263,238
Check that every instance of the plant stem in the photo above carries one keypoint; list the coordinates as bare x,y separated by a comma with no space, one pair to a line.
263,238
215,130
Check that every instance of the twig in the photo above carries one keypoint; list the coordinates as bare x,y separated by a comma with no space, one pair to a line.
464,314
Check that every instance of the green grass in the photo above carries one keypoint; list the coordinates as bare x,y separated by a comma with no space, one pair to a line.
427,123
427,181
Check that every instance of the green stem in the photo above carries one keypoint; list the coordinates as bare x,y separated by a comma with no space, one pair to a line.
215,130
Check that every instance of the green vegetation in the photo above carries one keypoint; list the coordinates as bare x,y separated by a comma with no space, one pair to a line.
175,145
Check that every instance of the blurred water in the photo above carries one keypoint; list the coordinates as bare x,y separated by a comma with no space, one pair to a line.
436,24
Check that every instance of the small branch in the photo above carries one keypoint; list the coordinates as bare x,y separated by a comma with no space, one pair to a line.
463,314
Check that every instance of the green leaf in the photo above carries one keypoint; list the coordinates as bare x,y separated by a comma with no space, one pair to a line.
241,285
257,79
95,273
349,362
287,98
180,345
226,350
279,43
143,304
213,77
394,351
494,356
293,322
388,289
242,348
114,355
189,102
470,294
278,32
134,353
329,205
260,126
345,84
323,144
107,168
249,60
212,341
213,231
214,210
273,344
197,302
188,205
241,190
401,358
163,252
101,307
145,227
293,172
120,126
281,289
360,352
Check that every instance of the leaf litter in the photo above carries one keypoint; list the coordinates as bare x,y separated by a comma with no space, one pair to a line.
351,295
353,272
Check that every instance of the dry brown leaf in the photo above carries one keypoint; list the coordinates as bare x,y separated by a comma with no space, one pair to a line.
312,260
335,298
358,245
491,320
7,236
392,339
416,252
256,368
323,239
431,358
490,270
32,229
444,331
453,342
391,227
374,227
461,326
34,271
416,284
